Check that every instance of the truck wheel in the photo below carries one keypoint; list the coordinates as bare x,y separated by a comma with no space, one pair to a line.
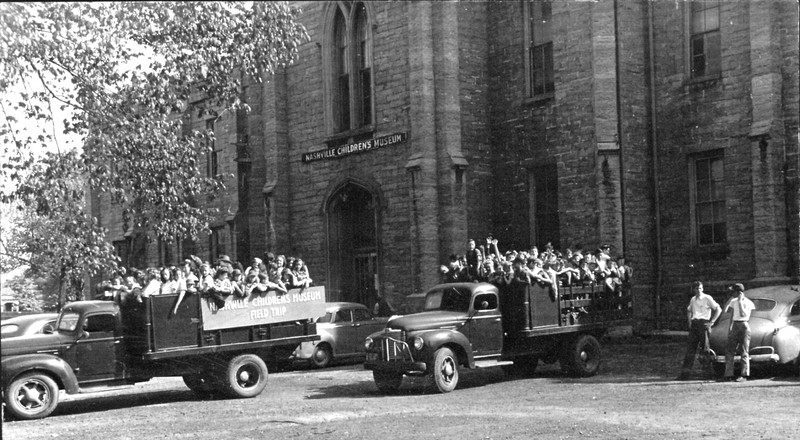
445,370
246,376
31,396
201,384
582,357
525,365
387,382
322,356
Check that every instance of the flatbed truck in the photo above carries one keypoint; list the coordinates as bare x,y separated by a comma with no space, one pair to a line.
469,325
216,349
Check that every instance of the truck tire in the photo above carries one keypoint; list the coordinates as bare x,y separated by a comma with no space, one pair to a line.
387,382
245,376
322,356
444,373
582,356
31,396
525,365
201,384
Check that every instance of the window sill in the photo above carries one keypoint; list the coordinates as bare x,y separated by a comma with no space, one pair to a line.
539,99
719,251
703,82
344,136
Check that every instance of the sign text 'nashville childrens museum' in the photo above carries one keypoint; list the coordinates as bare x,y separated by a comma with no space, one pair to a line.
355,148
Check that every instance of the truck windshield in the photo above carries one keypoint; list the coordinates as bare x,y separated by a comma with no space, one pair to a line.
68,321
450,298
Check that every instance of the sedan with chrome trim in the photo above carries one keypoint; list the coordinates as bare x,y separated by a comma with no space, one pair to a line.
342,331
25,325
774,329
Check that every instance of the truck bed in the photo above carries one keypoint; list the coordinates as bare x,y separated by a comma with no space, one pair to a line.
536,310
153,332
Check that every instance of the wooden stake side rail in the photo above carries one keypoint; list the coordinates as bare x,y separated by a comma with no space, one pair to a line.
536,309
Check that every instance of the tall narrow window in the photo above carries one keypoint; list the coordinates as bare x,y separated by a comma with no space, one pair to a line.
216,243
364,63
709,199
165,253
122,247
539,41
543,191
212,155
342,75
351,70
705,40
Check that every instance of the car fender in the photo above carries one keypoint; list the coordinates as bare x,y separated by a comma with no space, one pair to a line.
787,344
326,337
306,349
434,339
57,367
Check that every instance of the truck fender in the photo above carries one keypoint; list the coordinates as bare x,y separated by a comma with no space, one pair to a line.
57,368
435,339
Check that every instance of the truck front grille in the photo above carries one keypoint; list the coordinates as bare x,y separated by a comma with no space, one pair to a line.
392,350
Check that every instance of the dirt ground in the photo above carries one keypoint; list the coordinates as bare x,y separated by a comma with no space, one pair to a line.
633,397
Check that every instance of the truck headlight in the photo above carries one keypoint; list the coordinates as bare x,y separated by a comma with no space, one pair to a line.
368,344
418,343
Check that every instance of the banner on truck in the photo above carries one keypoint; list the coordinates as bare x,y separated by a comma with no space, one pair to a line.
264,308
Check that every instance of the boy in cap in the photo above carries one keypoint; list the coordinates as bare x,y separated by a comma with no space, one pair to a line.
738,332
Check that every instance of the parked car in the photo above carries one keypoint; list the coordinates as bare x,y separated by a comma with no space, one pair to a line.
342,331
25,325
774,329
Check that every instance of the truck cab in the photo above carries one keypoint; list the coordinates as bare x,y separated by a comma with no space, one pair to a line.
460,323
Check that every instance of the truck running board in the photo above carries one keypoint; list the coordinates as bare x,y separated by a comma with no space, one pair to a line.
492,363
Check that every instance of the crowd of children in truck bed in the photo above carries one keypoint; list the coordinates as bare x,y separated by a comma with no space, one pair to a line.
218,281
483,263
549,267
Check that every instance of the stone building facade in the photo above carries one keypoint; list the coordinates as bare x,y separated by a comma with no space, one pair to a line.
666,129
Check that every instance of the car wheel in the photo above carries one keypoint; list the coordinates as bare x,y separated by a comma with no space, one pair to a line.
245,376
582,357
387,382
322,356
719,368
31,396
444,374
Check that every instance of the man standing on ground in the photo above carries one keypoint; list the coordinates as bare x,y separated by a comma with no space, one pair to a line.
699,314
738,333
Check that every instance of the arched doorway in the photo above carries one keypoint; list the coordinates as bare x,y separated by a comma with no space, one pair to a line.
352,245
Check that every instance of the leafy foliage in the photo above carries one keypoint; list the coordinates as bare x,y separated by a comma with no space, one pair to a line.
126,74
34,294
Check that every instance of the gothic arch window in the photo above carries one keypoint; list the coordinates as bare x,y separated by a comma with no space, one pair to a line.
348,61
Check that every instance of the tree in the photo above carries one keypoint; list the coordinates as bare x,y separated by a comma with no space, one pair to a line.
125,73
52,234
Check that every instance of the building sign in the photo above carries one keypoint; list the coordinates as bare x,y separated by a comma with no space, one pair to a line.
265,308
358,147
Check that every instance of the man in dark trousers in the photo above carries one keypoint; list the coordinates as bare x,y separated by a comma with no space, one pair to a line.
738,333
702,313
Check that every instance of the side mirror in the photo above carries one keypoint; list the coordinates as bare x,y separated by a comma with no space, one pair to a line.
84,334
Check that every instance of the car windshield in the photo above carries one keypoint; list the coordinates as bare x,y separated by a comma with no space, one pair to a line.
325,318
450,298
68,322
